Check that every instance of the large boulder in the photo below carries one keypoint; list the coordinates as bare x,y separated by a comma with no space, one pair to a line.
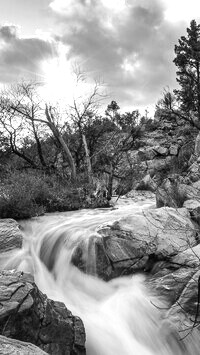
136,242
10,346
185,311
10,235
28,315
170,277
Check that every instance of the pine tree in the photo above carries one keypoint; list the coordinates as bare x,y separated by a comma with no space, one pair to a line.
187,61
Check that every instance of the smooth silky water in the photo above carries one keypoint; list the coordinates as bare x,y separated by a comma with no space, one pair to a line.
122,316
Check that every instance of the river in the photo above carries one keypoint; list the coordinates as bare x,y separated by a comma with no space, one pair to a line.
120,316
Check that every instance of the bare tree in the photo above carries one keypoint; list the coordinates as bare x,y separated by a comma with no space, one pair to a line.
83,110
20,107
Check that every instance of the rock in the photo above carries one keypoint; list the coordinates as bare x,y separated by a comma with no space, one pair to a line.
132,242
172,193
184,312
28,315
161,150
170,277
194,172
173,150
90,257
146,183
196,185
168,194
171,283
185,154
197,146
146,154
10,235
10,346
193,206
189,258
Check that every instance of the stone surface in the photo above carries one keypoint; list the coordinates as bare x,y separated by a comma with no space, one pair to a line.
10,235
172,193
161,150
28,315
173,150
193,206
184,312
147,183
197,145
10,346
135,243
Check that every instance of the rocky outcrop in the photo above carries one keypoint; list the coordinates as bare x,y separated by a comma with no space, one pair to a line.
136,242
177,279
184,312
10,346
10,235
28,315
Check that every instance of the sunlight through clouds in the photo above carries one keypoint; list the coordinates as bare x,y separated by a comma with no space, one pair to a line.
180,10
62,82
129,44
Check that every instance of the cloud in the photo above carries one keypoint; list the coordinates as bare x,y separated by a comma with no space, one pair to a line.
21,57
131,47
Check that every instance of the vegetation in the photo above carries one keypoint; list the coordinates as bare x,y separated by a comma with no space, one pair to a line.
184,103
55,159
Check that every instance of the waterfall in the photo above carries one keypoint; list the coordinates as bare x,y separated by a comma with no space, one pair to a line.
122,316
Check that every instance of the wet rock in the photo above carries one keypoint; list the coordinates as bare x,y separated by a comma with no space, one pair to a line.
28,315
171,277
10,346
10,235
171,283
159,234
91,258
164,232
184,312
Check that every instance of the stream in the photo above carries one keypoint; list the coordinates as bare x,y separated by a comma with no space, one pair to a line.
120,316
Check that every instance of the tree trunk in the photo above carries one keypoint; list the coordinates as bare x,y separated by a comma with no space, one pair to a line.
88,160
110,181
62,143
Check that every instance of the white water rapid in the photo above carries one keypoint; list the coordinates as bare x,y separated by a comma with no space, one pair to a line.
120,316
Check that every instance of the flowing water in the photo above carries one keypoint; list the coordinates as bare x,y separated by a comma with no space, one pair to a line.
120,316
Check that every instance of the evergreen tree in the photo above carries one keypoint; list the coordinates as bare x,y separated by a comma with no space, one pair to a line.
187,61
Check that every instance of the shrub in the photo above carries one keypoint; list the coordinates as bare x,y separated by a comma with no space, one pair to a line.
24,195
20,195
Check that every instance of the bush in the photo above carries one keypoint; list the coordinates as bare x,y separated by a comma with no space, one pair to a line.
24,195
20,197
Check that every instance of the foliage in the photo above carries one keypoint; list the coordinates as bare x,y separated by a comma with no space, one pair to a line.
18,193
187,61
25,195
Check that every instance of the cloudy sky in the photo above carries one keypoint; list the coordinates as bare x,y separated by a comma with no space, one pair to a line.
129,44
